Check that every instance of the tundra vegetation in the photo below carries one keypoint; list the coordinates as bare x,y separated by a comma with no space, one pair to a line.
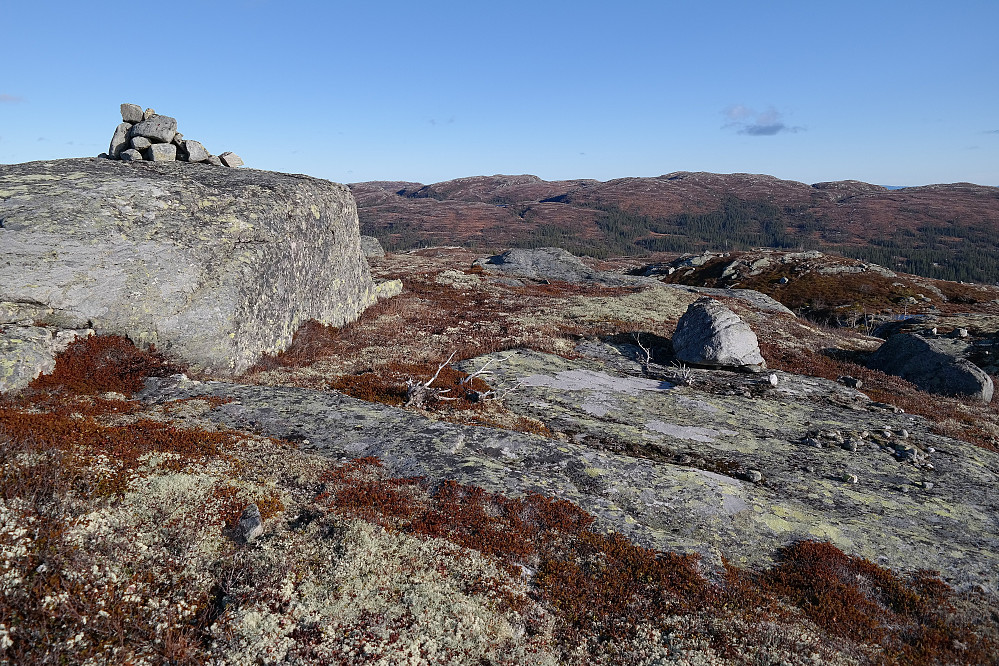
118,519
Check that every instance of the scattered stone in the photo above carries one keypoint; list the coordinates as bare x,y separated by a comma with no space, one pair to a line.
159,129
231,159
754,476
119,141
140,143
131,113
773,380
162,152
813,442
850,445
250,523
852,382
850,478
710,334
929,364
131,155
961,333
783,280
927,485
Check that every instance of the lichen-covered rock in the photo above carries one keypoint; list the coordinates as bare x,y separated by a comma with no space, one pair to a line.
710,334
29,351
931,365
215,266
554,263
371,247
671,466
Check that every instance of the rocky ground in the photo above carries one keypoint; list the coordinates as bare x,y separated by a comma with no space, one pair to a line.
508,469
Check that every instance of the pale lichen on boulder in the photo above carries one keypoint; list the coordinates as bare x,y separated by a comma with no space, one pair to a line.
214,266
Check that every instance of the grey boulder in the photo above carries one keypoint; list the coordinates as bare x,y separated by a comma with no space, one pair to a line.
141,142
231,159
131,113
159,129
119,141
214,266
543,263
710,334
371,247
162,152
131,155
932,365
195,151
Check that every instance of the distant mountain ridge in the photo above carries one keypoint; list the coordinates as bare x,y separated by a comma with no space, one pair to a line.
946,231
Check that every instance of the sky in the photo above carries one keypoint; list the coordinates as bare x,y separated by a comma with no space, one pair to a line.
893,92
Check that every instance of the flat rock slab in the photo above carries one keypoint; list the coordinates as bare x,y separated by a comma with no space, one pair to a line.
664,464
214,266
554,263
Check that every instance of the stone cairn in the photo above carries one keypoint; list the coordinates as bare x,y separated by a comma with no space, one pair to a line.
144,135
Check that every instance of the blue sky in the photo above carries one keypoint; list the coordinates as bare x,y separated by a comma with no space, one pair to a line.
890,92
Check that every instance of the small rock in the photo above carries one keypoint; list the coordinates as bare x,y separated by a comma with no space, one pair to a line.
811,441
904,434
214,160
162,152
962,332
783,280
250,523
850,445
850,478
131,155
141,143
927,485
231,159
754,476
148,113
852,382
773,379
131,113
178,140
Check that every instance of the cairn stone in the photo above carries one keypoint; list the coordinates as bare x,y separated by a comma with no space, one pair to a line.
141,143
131,155
709,334
195,151
162,152
231,159
131,113
119,141
214,160
158,129
178,139
148,113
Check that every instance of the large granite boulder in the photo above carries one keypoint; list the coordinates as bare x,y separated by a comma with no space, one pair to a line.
932,365
709,334
214,266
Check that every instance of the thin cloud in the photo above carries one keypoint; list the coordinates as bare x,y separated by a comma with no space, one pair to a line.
991,132
10,99
747,121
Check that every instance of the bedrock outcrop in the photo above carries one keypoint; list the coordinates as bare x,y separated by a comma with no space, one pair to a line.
214,266
728,466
